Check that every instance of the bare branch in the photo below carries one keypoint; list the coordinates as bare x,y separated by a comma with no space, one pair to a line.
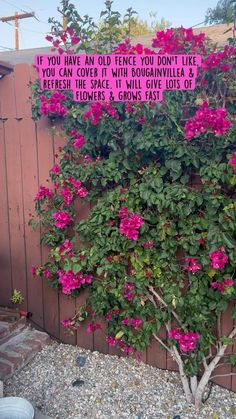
223,375
164,304
162,343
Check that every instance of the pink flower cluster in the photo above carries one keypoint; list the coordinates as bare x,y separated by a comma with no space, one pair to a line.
220,286
97,110
125,48
78,139
218,259
110,314
56,169
66,248
43,193
53,104
207,119
179,40
79,190
62,219
93,326
135,322
128,349
66,323
187,341
67,195
192,265
129,287
130,223
216,59
67,37
148,244
232,161
70,281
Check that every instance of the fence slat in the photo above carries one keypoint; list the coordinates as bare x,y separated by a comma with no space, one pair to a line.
32,238
45,163
16,215
5,254
84,339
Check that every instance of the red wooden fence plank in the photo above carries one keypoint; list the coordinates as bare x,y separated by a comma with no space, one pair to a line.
226,328
66,310
5,255
16,215
45,163
32,238
84,339
100,343
22,91
156,356
7,97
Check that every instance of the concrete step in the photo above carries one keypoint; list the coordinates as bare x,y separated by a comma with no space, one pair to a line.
18,346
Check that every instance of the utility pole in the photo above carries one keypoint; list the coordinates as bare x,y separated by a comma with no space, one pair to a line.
16,18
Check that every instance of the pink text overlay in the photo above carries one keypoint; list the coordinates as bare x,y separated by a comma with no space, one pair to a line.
132,78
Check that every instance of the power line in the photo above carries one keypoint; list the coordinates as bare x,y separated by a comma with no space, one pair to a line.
7,48
13,5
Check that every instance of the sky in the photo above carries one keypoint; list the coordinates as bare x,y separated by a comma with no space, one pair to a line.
32,32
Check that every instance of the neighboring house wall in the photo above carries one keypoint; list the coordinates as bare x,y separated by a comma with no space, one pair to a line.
27,152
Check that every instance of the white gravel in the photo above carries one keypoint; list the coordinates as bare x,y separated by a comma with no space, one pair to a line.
113,388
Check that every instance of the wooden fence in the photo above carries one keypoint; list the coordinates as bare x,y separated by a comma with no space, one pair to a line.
27,153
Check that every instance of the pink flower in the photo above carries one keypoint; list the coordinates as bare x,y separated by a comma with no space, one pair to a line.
136,322
129,296
108,316
232,161
47,273
34,270
69,281
75,40
93,326
66,322
82,192
49,38
67,195
123,212
187,341
207,119
179,40
214,60
43,193
125,322
174,334
192,265
218,259
111,341
97,110
148,244
129,224
56,169
128,349
53,104
79,141
220,286
62,219
128,286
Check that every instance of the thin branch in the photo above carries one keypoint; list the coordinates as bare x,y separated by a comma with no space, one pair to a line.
223,375
164,304
162,343
205,363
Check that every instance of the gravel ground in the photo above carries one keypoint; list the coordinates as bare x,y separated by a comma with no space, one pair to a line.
108,387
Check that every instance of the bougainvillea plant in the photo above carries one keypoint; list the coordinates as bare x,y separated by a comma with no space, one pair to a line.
158,247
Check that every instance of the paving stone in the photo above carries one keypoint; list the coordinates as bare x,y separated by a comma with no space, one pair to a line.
18,345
